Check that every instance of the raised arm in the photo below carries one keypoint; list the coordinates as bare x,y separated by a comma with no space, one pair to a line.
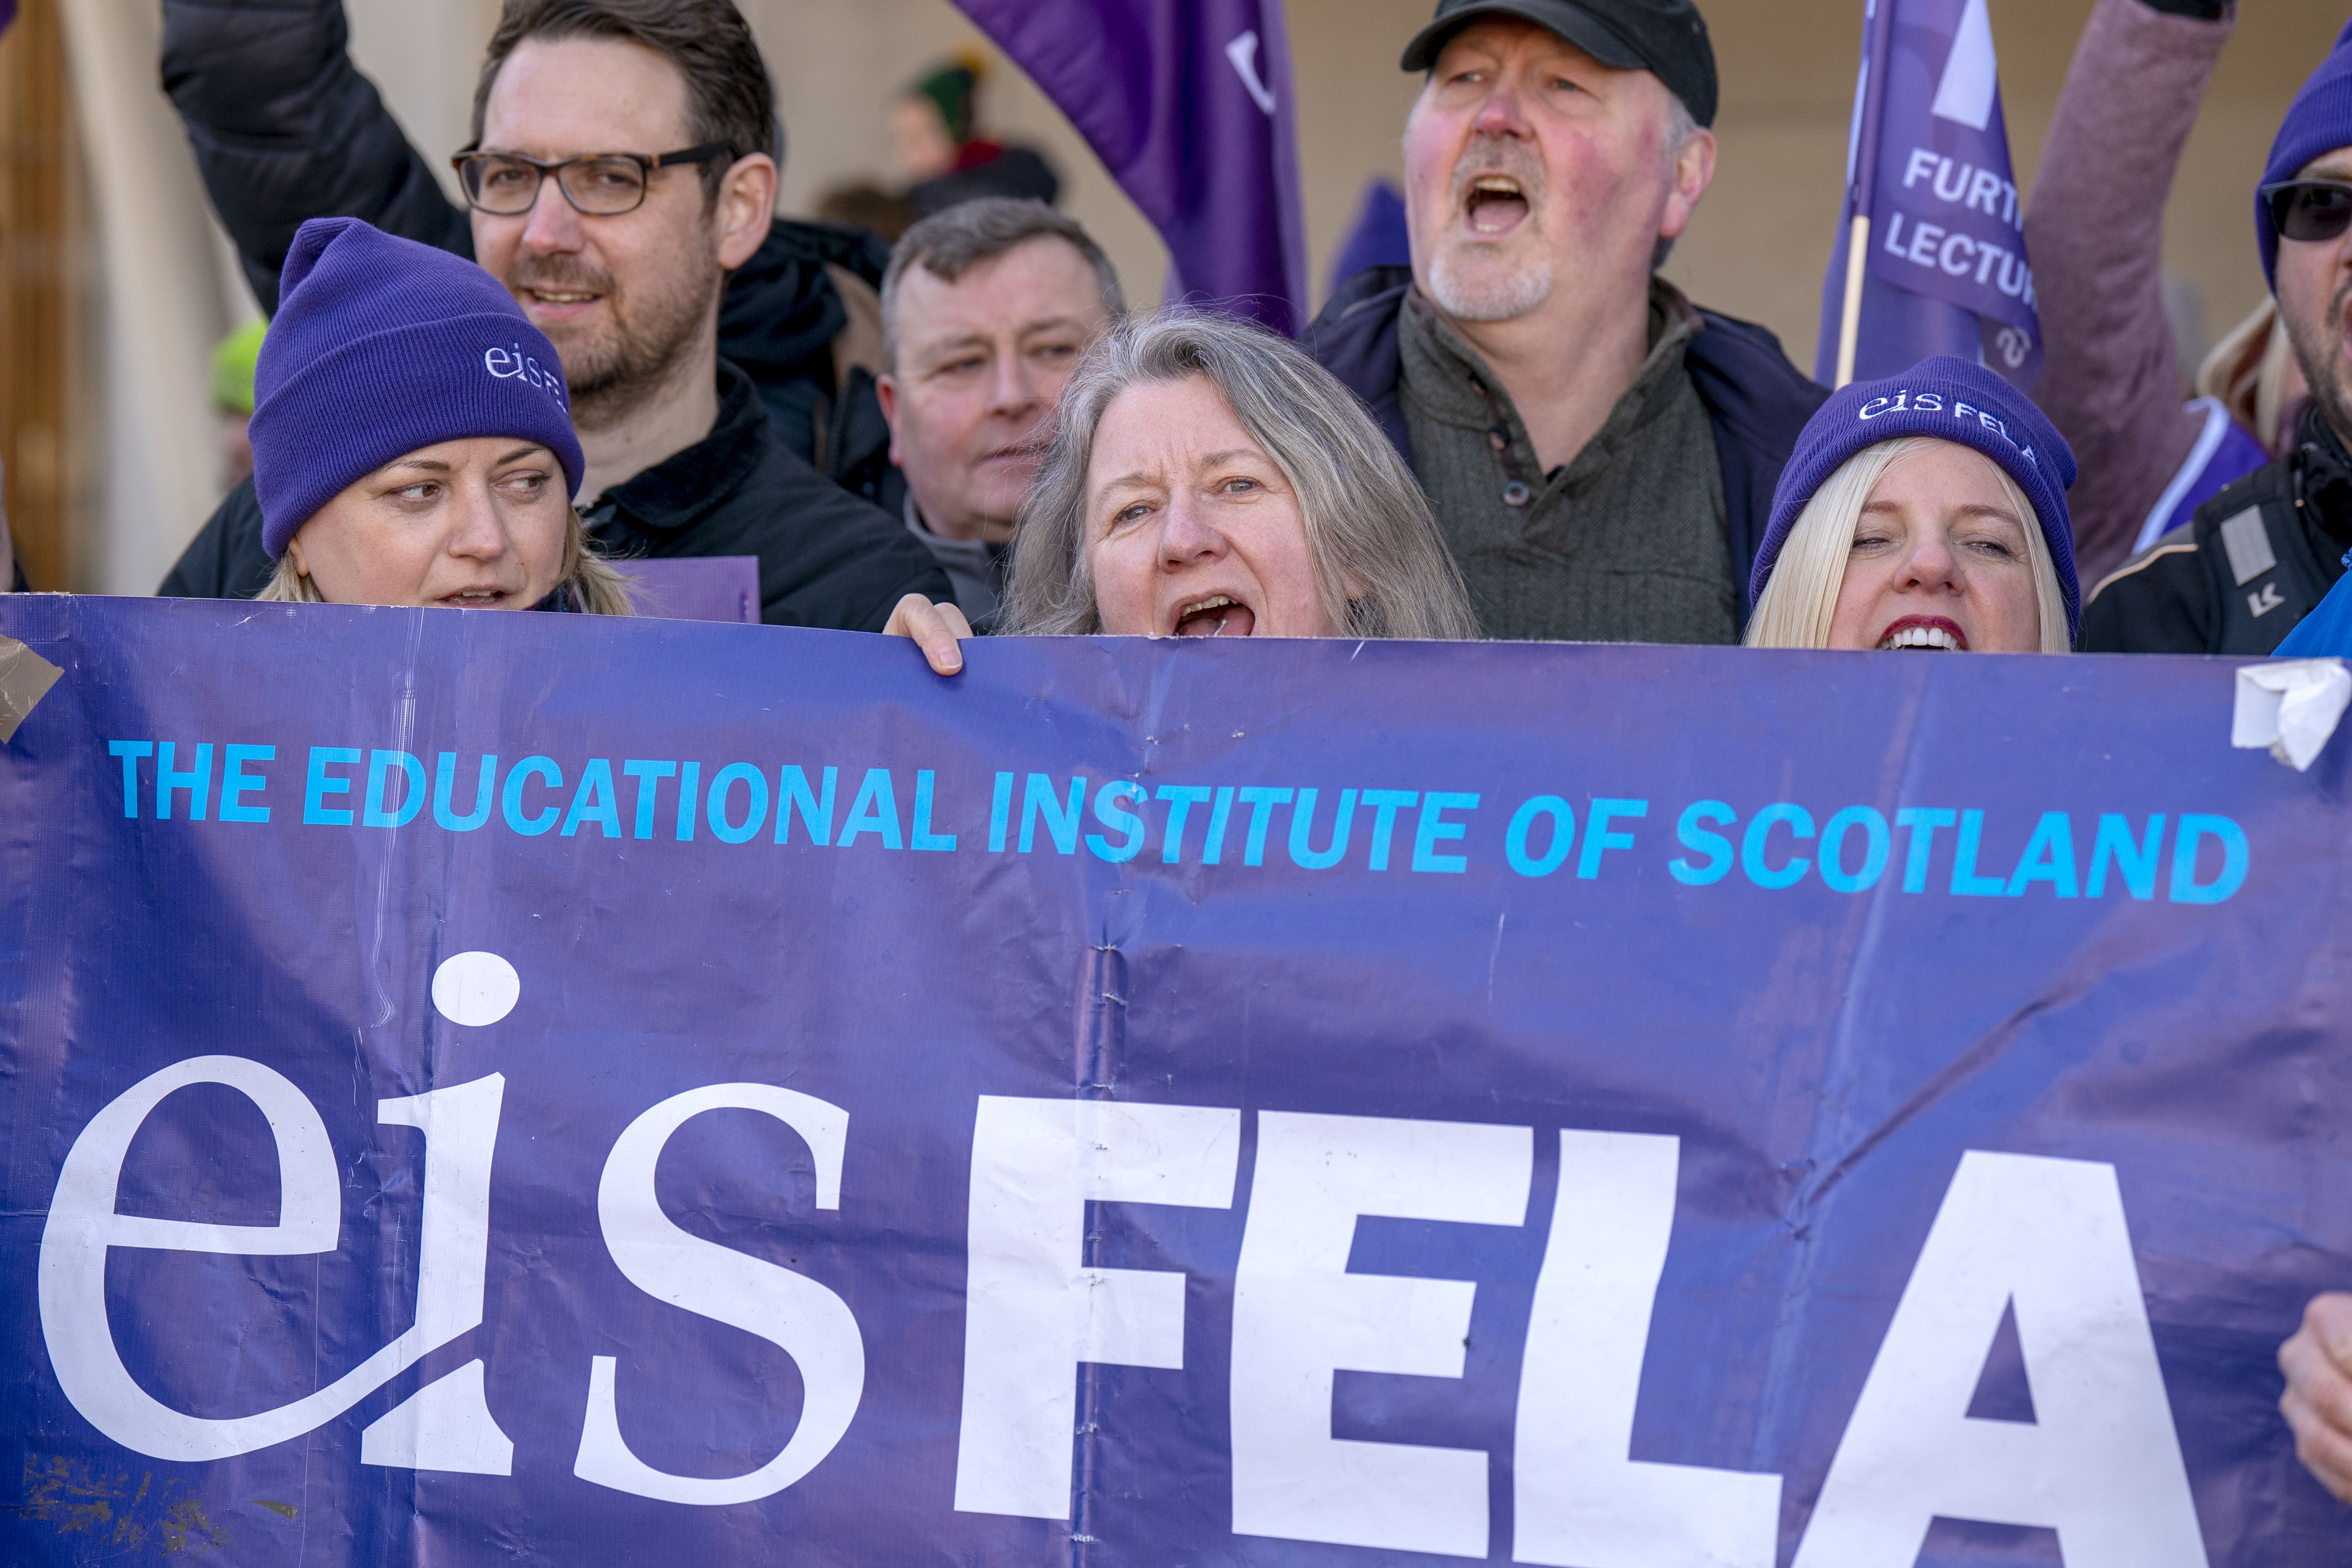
2111,381
286,129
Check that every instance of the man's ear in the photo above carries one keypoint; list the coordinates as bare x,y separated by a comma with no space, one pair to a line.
747,206
1694,171
885,393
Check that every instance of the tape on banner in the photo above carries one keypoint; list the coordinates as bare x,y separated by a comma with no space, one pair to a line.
24,678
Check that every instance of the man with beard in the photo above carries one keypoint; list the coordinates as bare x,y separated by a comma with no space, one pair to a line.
2263,553
620,171
1600,453
985,311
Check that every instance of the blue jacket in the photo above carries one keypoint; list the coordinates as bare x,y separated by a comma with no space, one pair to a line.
2327,632
1757,400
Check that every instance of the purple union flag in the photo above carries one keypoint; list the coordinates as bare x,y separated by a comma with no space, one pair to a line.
1188,102
1929,169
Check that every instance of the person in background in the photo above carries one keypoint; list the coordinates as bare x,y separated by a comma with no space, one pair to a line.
2263,551
985,311
408,449
2095,227
233,361
935,130
2251,373
1207,479
862,204
1924,513
621,174
1600,453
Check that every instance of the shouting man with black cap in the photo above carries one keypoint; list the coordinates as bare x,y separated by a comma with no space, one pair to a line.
1600,453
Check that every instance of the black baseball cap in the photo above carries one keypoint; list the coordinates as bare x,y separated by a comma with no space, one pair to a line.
1665,38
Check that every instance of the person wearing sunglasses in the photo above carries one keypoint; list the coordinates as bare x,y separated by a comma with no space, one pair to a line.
2263,553
621,174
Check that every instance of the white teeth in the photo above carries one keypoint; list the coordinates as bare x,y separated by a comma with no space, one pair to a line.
1497,184
1189,611
1922,637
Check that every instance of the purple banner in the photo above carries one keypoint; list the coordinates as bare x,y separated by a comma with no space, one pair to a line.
1929,169
1188,104
506,1091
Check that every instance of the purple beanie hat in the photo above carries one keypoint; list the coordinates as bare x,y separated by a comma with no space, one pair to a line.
381,346
1947,399
2318,120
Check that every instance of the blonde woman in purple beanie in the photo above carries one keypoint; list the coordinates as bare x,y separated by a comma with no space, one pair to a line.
412,438
1925,513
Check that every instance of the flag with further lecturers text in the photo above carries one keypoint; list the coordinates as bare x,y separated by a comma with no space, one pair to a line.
1190,106
1930,256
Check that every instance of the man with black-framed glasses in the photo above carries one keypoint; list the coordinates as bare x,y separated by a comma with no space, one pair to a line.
2263,553
656,119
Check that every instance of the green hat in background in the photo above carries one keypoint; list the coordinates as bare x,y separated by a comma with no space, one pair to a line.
233,361
954,89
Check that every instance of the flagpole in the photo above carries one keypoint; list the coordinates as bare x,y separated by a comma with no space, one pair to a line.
1878,29
1857,262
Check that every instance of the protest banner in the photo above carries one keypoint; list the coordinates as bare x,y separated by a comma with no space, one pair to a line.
492,1087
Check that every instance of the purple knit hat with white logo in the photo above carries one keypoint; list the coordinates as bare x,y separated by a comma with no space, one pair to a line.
382,346
1947,399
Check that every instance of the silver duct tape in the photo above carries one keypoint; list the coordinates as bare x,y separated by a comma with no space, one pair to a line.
24,678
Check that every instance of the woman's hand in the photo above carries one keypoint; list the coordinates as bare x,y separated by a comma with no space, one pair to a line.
939,630
2318,1404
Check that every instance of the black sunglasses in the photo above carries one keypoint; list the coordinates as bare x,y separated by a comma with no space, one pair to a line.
2314,210
601,184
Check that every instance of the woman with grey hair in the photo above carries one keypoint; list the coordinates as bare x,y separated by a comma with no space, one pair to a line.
1207,479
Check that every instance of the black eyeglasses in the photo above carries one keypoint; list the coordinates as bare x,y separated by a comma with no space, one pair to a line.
600,184
2316,210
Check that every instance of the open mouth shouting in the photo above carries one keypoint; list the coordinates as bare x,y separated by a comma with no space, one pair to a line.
1930,634
1217,615
1496,204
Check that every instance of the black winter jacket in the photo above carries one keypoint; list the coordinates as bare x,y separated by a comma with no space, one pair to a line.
286,129
827,558
2254,561
1757,401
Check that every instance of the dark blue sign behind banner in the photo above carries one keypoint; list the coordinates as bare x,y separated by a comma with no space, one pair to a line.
484,1089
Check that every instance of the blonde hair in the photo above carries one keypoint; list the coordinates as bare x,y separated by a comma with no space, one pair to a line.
1800,600
596,588
2251,372
1367,525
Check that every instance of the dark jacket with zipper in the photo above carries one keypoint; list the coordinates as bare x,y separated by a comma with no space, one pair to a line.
827,558
1757,402
286,129
2254,561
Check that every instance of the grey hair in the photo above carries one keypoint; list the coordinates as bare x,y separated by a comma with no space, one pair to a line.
948,244
1369,528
